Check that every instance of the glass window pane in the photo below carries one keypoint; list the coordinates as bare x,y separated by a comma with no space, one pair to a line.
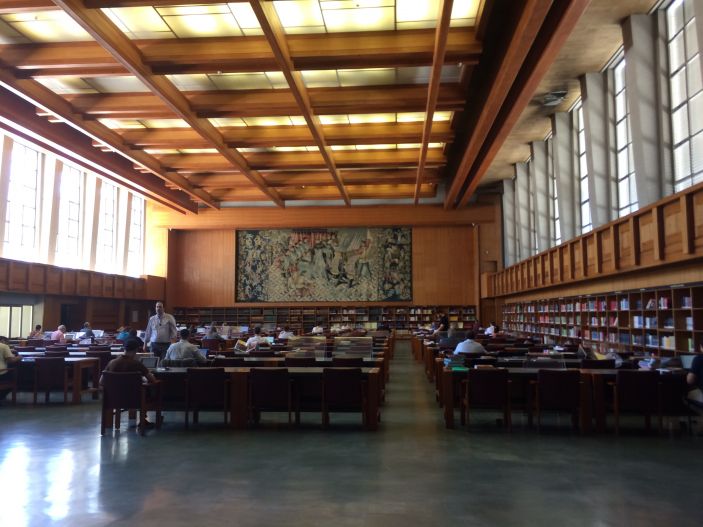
679,124
678,88
696,113
676,52
5,321
674,17
623,192
15,322
584,189
691,40
620,104
682,161
583,166
623,166
693,75
621,134
697,153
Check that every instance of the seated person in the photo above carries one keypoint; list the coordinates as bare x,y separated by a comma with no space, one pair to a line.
6,356
694,378
127,363
133,336
183,350
490,330
212,333
37,333
254,341
318,330
442,323
469,345
88,331
123,333
286,333
59,334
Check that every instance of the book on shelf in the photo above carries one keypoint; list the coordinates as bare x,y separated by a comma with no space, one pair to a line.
651,304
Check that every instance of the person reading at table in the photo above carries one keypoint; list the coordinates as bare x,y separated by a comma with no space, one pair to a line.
183,350
6,356
469,345
37,333
254,341
59,334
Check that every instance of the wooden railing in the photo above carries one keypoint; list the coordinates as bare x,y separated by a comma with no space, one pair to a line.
668,231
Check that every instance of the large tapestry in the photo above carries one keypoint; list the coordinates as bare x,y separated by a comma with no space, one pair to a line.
324,265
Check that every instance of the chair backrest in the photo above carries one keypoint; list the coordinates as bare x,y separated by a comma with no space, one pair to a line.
262,353
57,347
121,389
594,364
300,362
24,348
206,386
211,344
488,387
104,356
544,363
470,362
99,347
49,372
56,353
342,387
348,362
559,389
512,352
39,343
228,362
269,387
637,390
178,363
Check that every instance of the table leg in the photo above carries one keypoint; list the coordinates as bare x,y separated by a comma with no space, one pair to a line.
599,401
239,399
77,382
586,403
448,397
373,388
96,379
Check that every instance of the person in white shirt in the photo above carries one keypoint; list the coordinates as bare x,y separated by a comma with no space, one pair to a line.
286,333
490,330
317,330
184,350
469,345
161,330
253,342
59,334
6,356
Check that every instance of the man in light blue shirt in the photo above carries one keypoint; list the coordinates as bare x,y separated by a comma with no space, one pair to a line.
469,345
184,350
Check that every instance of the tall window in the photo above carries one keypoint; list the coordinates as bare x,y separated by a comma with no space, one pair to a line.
68,237
686,94
554,194
135,250
584,199
21,225
15,321
627,190
106,251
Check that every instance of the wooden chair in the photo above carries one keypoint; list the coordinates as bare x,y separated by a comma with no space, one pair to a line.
228,362
206,389
37,343
637,391
343,390
125,391
8,381
300,362
262,353
270,390
57,353
24,349
103,356
212,344
50,373
594,364
486,388
347,362
559,391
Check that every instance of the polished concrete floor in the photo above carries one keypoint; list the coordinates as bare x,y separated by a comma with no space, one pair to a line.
55,469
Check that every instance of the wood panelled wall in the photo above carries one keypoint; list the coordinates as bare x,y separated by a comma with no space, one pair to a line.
201,269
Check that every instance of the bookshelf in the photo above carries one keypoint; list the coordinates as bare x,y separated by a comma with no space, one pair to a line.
666,320
306,317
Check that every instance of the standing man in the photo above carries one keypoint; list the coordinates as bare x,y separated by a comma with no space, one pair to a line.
161,330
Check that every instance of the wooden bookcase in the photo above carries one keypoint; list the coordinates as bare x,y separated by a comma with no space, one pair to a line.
306,317
665,320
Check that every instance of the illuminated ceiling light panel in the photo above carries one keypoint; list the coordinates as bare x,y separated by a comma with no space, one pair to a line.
211,25
165,123
372,118
300,16
361,19
409,145
47,26
257,149
139,22
320,78
192,82
161,151
465,9
9,35
312,148
415,10
334,119
120,84
185,10
435,145
246,19
223,122
376,147
298,120
410,117
267,121
289,148
343,147
198,150
442,116
241,81
66,85
277,79
122,124
367,77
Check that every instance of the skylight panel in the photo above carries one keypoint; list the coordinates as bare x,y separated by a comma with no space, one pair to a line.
165,123
241,81
268,121
367,77
66,85
300,16
246,19
205,25
321,78
118,84
122,124
343,19
47,26
223,122
372,118
9,35
139,22
192,82
334,119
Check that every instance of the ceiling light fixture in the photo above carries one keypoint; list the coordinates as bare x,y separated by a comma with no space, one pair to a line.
554,98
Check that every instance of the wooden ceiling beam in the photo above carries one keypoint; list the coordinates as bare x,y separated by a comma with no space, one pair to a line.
440,45
270,103
55,105
377,49
302,160
101,28
273,31
555,31
330,192
25,6
495,87
264,136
